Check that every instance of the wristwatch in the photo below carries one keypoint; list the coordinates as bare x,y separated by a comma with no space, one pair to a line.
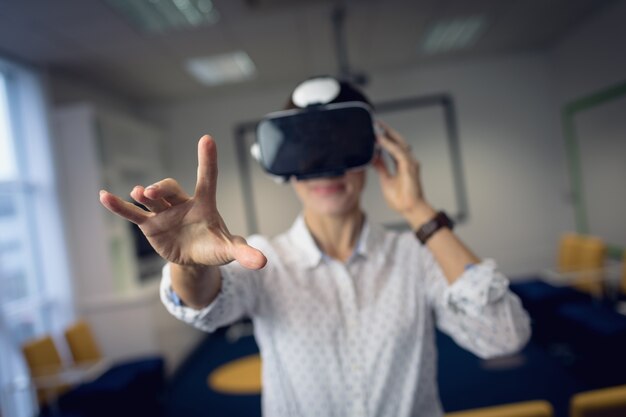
430,227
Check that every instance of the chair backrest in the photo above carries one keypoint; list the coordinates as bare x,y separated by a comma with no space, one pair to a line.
43,359
570,246
42,356
592,253
538,408
623,286
579,253
591,258
606,402
81,342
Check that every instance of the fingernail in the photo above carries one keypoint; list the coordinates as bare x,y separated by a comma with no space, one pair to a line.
152,187
102,192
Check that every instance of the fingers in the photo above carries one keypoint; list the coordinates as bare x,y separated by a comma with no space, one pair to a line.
154,205
206,184
166,191
400,155
246,255
394,135
123,208
379,165
396,145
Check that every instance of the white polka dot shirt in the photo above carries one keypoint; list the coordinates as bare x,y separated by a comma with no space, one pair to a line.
357,338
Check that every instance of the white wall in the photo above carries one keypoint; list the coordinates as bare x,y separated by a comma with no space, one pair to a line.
509,119
67,89
127,317
589,60
511,154
510,148
592,57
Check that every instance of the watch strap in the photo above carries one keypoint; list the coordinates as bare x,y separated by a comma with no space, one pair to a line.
429,228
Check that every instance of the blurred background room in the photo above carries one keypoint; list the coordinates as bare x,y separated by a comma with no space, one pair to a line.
515,109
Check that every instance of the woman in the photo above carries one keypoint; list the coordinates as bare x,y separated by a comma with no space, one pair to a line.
343,310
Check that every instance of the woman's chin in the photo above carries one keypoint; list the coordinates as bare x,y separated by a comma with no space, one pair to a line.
335,207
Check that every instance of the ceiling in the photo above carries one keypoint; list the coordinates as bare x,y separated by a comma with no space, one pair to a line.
288,40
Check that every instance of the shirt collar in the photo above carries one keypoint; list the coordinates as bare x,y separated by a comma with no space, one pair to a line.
311,255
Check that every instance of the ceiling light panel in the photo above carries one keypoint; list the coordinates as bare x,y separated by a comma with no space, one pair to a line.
222,69
454,34
163,15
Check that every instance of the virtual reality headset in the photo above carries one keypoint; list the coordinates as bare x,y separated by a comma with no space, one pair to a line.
321,139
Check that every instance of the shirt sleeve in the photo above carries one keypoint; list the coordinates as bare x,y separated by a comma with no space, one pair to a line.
478,310
236,299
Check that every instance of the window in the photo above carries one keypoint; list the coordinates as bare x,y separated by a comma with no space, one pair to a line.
34,288
18,275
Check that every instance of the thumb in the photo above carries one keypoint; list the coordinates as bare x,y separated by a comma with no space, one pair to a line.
248,256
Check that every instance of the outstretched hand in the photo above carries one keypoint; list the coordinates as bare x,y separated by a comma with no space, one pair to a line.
182,229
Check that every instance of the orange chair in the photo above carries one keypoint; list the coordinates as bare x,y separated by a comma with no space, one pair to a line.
537,408
75,389
81,342
140,380
44,362
606,402
582,257
239,377
570,245
623,282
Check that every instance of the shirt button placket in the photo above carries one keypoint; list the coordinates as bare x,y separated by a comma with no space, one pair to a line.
355,369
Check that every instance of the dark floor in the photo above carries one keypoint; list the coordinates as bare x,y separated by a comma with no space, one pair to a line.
188,393
465,381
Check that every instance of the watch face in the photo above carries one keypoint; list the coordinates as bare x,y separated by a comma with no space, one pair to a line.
430,227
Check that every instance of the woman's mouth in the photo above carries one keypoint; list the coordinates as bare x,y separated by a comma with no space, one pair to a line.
328,189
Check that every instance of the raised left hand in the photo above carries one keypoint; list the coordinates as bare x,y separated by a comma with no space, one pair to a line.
402,189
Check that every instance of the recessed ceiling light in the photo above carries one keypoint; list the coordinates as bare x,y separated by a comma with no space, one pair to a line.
163,15
454,34
222,69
